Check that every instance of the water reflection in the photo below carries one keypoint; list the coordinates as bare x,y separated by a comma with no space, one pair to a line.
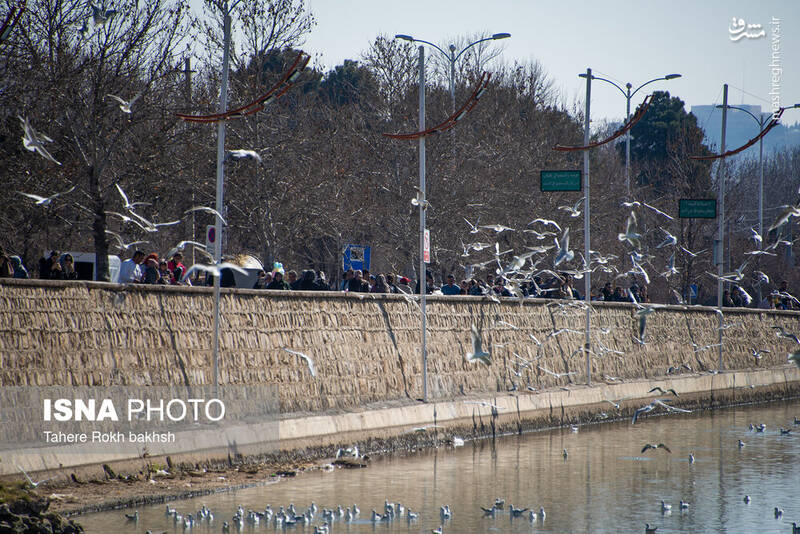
605,485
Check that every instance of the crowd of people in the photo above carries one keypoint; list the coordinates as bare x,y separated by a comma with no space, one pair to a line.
142,268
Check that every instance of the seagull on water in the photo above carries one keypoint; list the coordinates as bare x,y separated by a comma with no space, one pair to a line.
665,507
308,360
649,530
34,141
477,354
45,201
741,444
747,499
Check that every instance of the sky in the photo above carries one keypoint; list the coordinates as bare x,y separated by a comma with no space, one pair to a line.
624,41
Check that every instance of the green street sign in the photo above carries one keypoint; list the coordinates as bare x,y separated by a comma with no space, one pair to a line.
560,181
696,208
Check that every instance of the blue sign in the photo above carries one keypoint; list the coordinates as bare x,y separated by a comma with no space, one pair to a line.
355,257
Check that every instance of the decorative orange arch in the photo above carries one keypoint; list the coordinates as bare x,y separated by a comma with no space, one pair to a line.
472,101
625,127
751,142
277,90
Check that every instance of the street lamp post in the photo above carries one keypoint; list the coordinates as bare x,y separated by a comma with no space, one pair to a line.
761,121
628,95
223,107
587,287
721,236
423,279
452,57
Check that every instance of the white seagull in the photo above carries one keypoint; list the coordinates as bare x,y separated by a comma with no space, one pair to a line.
213,269
308,360
31,482
45,201
477,354
128,205
125,105
34,141
574,211
632,234
546,222
207,210
563,253
243,154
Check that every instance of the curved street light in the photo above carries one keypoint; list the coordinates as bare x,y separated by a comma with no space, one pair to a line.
628,95
452,57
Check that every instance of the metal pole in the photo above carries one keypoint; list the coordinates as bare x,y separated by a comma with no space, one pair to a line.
453,103
721,236
760,197
628,144
586,230
422,208
223,107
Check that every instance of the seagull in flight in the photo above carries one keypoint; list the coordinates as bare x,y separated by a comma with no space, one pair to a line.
632,234
34,141
45,201
180,246
755,236
652,406
499,228
574,211
128,205
472,228
101,16
121,244
125,105
563,253
238,154
207,210
649,446
692,254
557,375
477,354
30,481
787,213
781,332
669,241
151,227
307,359
662,392
636,204
546,222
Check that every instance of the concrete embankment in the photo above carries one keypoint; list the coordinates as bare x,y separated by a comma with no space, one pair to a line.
366,355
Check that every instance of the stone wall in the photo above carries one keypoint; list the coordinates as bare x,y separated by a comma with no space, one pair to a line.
366,348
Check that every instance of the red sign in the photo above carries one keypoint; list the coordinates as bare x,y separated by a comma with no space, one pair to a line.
426,249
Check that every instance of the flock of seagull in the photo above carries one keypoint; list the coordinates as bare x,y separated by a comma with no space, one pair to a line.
34,142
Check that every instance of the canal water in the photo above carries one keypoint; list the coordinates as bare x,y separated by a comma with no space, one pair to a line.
604,485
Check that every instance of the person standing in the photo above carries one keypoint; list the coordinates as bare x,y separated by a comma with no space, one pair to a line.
46,264
451,288
130,271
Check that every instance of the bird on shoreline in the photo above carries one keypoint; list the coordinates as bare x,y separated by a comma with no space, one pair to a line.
28,478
